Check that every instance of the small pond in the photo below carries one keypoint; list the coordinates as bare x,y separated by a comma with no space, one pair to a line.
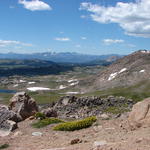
7,91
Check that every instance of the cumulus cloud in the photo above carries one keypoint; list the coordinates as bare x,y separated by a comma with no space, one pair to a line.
4,43
112,41
35,5
63,39
134,18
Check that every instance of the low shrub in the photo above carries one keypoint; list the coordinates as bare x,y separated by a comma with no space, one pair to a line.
117,110
40,116
4,146
45,122
75,125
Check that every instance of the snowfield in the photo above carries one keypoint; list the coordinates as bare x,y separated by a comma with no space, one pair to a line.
142,71
16,85
145,51
122,70
113,75
72,80
72,92
34,89
74,83
62,87
31,82
22,81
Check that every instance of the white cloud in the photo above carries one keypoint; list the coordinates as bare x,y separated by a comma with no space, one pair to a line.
83,38
112,41
63,39
35,5
134,18
4,43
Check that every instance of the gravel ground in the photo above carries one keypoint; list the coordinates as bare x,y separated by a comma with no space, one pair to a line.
110,131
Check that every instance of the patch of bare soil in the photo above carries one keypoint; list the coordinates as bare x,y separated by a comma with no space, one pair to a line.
107,132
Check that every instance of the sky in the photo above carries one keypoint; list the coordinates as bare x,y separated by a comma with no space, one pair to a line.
82,26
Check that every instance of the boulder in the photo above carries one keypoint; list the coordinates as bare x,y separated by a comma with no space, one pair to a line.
8,120
6,114
49,112
24,105
9,125
140,114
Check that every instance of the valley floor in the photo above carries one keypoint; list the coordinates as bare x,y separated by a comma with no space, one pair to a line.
109,131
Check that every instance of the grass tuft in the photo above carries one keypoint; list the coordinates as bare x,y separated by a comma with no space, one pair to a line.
40,116
4,146
76,125
46,122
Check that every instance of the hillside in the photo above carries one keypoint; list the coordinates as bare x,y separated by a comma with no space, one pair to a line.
126,71
128,76
11,67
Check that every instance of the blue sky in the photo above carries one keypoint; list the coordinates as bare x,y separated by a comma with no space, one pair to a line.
84,26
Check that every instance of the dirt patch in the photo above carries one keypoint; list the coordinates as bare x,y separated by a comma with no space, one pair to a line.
105,130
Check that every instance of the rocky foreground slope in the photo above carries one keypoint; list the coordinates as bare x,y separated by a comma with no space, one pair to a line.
127,71
130,131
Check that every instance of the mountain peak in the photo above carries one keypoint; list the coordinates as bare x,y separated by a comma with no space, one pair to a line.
143,51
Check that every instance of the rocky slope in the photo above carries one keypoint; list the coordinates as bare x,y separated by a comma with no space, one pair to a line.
114,134
130,131
126,71
81,107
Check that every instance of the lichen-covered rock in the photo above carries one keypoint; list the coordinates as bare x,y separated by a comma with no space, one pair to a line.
24,105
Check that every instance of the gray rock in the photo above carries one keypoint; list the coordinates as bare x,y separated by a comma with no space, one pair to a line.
74,107
8,120
49,112
37,134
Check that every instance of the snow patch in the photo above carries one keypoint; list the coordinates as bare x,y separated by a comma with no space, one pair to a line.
62,87
31,82
33,89
145,51
142,71
22,81
75,83
112,76
72,80
15,85
122,70
72,92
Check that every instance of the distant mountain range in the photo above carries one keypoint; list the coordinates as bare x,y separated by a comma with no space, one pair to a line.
11,67
62,57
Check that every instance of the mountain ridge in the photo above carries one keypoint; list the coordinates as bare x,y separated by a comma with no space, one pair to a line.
59,57
125,71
